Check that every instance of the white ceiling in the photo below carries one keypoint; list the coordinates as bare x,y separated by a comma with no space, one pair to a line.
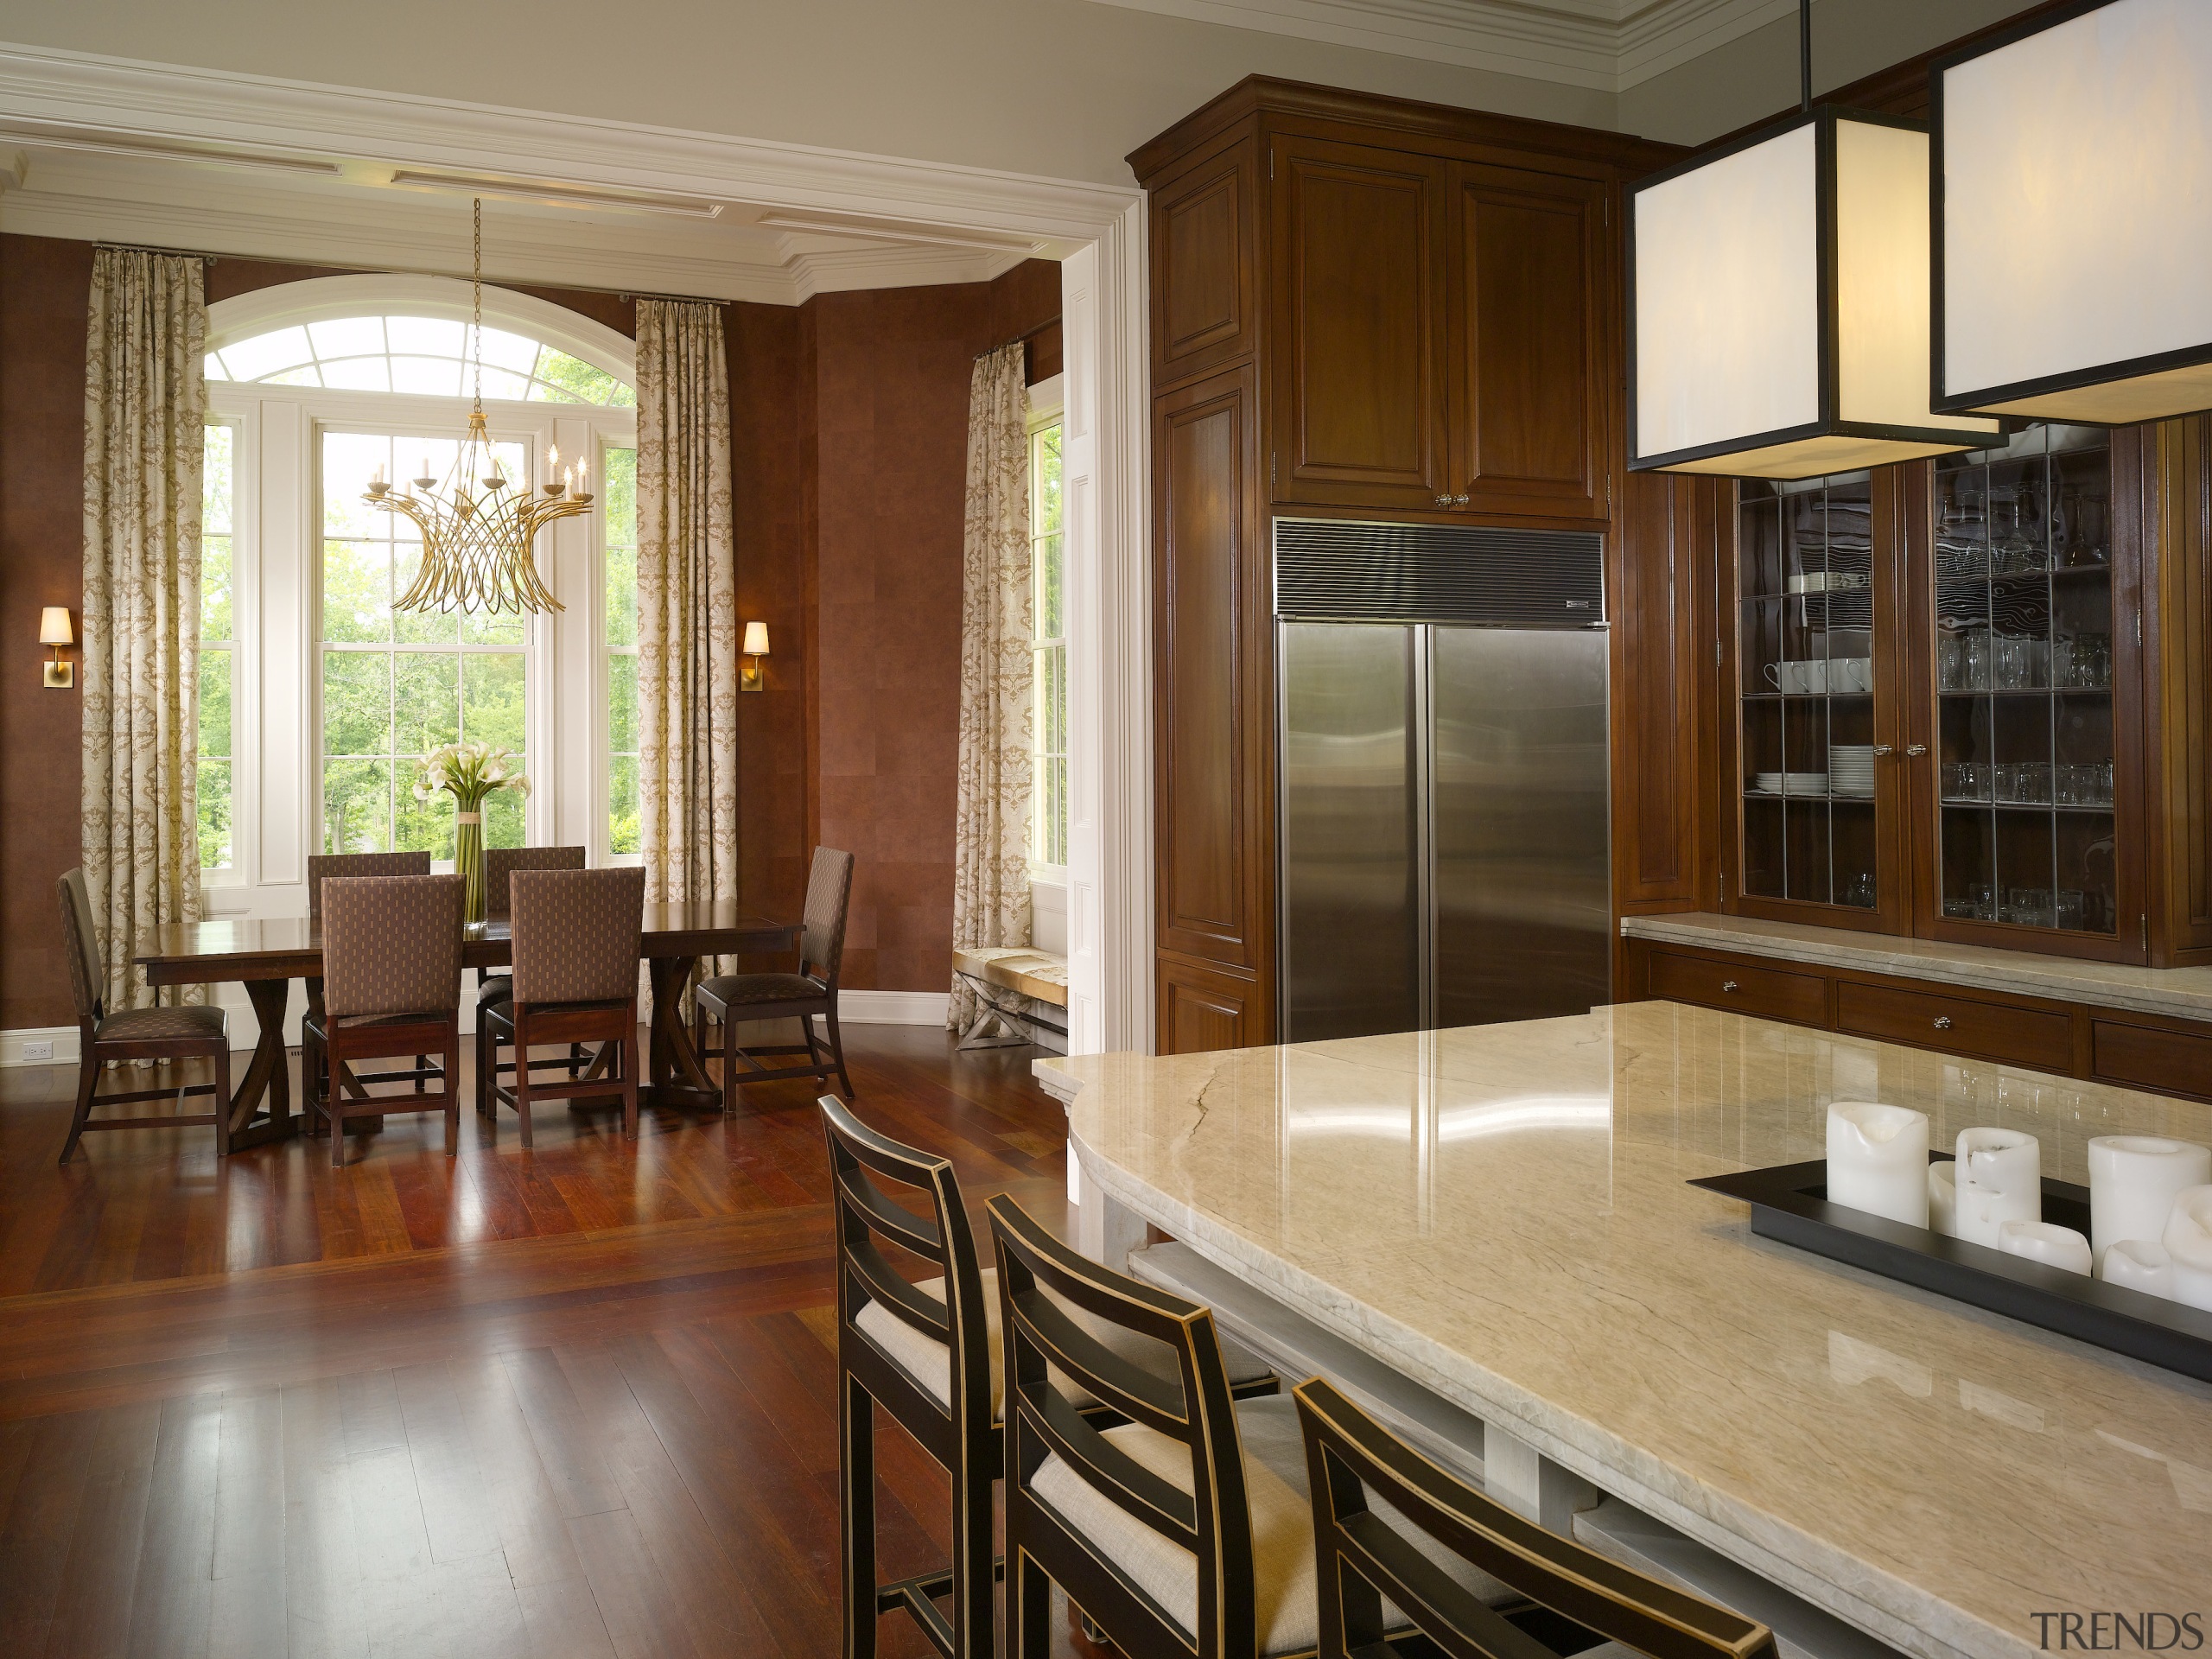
1610,45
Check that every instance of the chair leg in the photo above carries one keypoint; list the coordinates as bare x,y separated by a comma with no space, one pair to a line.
975,1577
223,1101
1028,1608
522,1078
452,1090
88,1078
334,1104
421,1083
856,1475
627,1052
488,1066
311,1078
575,1061
838,1049
729,1062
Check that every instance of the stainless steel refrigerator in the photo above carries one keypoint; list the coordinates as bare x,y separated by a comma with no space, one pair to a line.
1441,718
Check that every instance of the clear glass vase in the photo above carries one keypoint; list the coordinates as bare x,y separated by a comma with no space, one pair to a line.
469,861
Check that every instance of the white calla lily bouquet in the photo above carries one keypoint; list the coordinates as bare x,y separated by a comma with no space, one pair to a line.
468,772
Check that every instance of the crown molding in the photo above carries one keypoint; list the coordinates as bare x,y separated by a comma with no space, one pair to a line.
1606,45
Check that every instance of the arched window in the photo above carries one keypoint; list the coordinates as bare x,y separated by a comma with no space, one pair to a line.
428,356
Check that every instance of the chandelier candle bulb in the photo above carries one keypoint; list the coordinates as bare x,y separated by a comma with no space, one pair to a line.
1999,1176
1877,1160
1943,1199
2138,1264
2133,1180
2041,1241
2188,1243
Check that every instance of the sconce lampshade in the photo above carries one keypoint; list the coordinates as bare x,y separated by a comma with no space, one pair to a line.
2074,213
756,640
1778,305
53,626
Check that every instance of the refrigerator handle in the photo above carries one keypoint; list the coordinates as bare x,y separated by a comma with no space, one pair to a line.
1422,736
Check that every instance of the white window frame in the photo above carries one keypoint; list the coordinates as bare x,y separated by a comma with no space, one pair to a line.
1048,405
602,750
276,562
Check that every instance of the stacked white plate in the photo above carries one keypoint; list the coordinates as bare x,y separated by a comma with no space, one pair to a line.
1804,782
1850,769
1767,783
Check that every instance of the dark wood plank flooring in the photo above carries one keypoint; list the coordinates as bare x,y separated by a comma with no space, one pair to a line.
574,1402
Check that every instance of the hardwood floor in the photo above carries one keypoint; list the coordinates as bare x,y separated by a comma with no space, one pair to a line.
577,1402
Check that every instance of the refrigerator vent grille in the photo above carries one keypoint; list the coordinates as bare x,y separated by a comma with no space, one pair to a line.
1337,569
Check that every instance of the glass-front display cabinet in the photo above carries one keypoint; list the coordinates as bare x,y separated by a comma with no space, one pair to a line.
1816,576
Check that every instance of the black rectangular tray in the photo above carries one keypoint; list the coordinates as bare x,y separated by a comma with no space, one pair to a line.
1790,1202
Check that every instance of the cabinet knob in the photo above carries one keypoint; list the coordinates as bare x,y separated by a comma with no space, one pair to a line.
1443,500
1916,748
1460,500
1881,748
1942,1022
1727,984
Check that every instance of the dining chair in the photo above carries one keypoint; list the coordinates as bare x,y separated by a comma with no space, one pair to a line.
392,985
1184,1528
496,985
177,1032
320,865
1395,1536
575,937
927,1354
732,999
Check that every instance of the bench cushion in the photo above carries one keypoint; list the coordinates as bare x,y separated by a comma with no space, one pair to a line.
1018,967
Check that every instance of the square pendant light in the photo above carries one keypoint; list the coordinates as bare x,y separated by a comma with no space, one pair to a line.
1778,305
2073,213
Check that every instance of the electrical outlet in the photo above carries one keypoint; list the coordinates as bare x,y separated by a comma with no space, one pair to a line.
38,1051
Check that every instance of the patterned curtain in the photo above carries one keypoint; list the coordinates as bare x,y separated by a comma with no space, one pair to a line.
145,401
990,891
687,606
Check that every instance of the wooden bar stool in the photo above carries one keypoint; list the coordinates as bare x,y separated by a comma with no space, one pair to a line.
348,865
1390,1527
392,985
575,981
927,1354
171,1033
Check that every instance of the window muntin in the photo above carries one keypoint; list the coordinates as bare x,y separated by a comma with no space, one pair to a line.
217,646
395,683
618,472
426,356
1048,821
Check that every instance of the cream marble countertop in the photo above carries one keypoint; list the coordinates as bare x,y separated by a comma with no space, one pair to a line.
2182,993
1500,1212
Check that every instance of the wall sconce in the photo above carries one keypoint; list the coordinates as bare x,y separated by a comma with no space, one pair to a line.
749,674
53,629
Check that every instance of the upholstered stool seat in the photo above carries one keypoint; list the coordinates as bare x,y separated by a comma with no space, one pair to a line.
929,1363
143,1025
735,1000
747,990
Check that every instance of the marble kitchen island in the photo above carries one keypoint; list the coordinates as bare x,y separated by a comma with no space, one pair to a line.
1500,1214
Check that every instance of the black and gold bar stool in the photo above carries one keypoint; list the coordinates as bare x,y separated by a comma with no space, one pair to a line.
1394,1534
927,1354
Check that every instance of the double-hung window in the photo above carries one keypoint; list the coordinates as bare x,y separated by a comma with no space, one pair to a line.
1048,819
218,647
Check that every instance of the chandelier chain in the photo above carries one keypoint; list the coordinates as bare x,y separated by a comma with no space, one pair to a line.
476,305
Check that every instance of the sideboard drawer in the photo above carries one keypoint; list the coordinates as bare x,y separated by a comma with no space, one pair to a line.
2142,1057
1958,1024
1802,999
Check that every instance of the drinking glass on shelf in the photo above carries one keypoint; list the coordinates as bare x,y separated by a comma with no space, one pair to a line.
1860,892
2022,664
2072,907
1966,781
1964,659
2099,794
2027,907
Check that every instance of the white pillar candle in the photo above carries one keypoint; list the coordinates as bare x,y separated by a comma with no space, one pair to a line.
1943,1199
1999,1175
2133,1180
2040,1241
1877,1160
2137,1264
2189,1242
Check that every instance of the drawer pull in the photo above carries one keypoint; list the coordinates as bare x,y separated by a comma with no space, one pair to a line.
1727,984
1942,1022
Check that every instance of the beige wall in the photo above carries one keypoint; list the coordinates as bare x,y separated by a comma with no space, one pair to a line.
1064,88
1757,76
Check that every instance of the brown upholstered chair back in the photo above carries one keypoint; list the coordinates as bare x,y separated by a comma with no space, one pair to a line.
575,934
352,864
828,894
391,945
87,968
500,862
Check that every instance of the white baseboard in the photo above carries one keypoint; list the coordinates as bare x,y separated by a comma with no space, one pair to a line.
893,1008
855,1008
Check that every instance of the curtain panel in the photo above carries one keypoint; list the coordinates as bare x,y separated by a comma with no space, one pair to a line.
145,400
687,606
990,892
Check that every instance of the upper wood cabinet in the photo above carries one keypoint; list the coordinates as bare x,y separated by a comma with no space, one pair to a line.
1204,281
1359,285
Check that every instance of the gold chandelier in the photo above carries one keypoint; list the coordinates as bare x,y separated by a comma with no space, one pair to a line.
479,527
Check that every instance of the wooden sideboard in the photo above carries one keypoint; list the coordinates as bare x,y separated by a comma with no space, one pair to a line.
2133,1049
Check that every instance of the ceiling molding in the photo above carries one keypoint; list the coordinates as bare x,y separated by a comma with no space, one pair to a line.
620,202
1607,45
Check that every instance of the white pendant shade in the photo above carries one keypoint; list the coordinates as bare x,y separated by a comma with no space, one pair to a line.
1779,306
2074,273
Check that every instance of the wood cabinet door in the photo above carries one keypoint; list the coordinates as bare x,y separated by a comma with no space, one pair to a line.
1204,1009
1212,710
1204,285
1530,277
1358,358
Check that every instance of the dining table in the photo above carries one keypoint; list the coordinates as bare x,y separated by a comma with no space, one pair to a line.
266,954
